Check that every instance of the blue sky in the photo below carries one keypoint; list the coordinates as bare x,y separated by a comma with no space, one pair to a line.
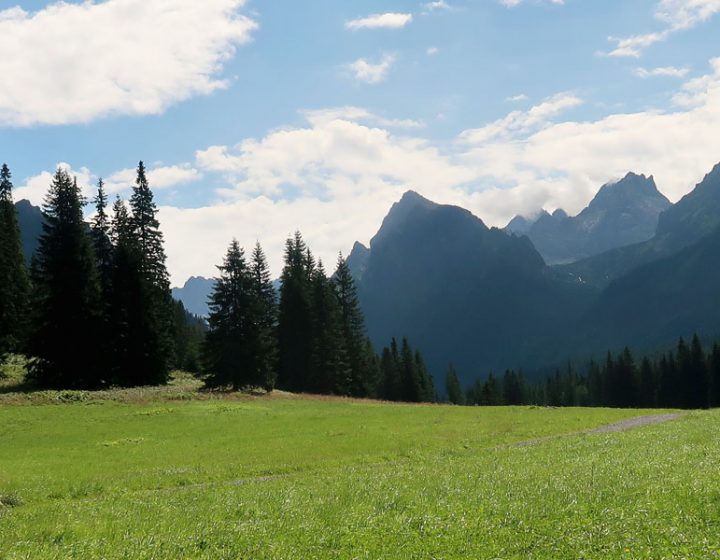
260,117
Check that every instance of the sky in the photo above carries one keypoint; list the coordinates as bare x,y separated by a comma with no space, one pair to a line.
257,118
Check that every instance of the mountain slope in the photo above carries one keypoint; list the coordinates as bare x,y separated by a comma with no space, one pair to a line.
194,295
621,214
458,290
30,220
656,303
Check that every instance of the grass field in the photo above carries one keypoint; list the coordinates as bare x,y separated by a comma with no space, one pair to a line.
151,474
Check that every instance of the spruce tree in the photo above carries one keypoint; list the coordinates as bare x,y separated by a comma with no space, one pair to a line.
359,352
389,387
263,318
148,240
66,296
427,384
226,352
410,379
330,372
101,237
134,335
697,375
454,389
294,316
14,283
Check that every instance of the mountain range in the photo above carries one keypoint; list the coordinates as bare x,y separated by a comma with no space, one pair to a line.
636,270
622,213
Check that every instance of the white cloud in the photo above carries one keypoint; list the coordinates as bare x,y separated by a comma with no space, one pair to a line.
513,3
77,62
380,21
522,122
665,71
432,51
372,73
437,5
358,114
678,15
36,187
335,178
517,98
163,177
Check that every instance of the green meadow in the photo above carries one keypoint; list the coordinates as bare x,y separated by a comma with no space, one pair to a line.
174,473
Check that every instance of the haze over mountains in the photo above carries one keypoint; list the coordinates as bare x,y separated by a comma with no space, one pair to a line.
488,299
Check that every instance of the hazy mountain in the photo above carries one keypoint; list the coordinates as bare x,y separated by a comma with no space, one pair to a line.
656,303
358,259
694,216
459,290
621,214
30,219
194,295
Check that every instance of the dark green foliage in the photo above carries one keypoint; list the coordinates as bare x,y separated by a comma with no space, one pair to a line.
137,346
188,339
686,378
239,349
148,259
714,367
514,388
14,283
263,318
360,355
295,319
66,296
404,376
330,371
455,392
226,348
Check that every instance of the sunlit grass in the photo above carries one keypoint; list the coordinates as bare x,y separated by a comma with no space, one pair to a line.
287,477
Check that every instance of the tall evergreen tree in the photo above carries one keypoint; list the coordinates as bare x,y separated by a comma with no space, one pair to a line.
294,316
227,350
14,284
263,319
66,296
134,333
359,352
148,240
329,370
409,375
390,388
455,392
697,376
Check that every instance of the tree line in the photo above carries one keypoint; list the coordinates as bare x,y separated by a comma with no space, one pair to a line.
95,309
311,338
686,377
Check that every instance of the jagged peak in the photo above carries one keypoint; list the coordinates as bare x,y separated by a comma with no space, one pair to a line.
413,197
559,214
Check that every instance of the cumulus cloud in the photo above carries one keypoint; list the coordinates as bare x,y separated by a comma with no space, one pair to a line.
372,73
36,187
77,62
335,177
380,21
521,122
678,15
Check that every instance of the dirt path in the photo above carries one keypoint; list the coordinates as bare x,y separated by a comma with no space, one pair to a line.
621,426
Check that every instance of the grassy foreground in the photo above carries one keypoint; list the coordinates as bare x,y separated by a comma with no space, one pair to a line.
151,475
